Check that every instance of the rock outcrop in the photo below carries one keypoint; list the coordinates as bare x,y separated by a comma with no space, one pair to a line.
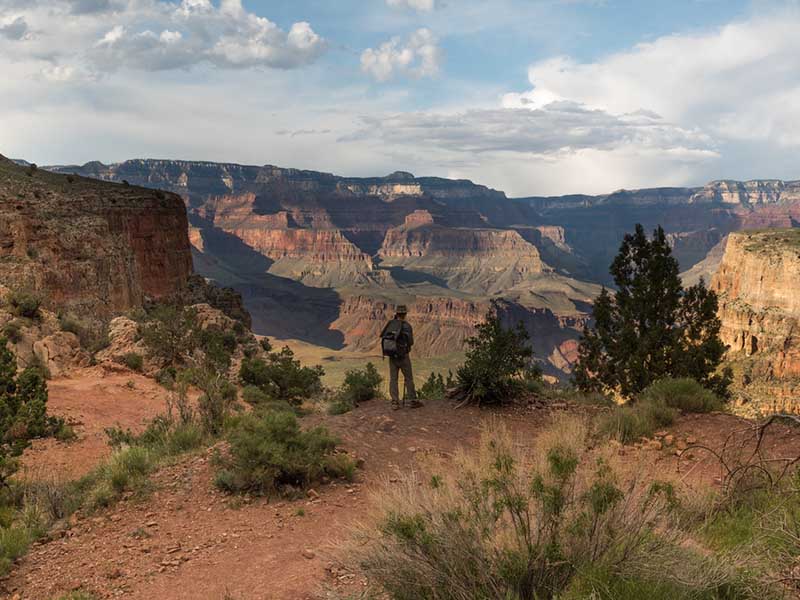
90,246
758,282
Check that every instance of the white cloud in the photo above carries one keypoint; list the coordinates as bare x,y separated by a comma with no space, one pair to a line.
156,35
418,5
418,56
15,28
740,82
558,128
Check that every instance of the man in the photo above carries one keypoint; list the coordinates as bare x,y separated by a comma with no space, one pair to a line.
397,338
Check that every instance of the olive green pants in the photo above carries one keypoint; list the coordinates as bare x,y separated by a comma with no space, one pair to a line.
395,366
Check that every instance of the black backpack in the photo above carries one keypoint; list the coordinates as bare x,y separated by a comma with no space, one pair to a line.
393,340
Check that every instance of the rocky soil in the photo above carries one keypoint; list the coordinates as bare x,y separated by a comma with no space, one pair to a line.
189,541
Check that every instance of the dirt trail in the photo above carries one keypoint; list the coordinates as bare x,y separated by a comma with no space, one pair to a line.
91,400
189,541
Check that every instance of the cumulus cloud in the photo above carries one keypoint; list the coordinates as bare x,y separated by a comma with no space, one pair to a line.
196,31
418,5
418,56
86,7
158,35
740,81
14,29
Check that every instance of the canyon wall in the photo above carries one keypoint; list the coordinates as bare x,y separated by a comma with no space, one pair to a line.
86,245
321,258
757,282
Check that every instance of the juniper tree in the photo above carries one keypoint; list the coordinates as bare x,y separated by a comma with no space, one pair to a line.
650,327
498,359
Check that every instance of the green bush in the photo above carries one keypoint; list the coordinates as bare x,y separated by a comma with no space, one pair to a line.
434,387
23,410
686,395
361,385
497,365
170,334
340,405
269,453
25,303
282,377
255,396
134,361
13,332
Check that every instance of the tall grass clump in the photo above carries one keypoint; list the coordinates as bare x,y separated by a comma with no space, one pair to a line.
504,524
656,407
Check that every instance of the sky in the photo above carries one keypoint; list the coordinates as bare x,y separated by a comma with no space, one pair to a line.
532,97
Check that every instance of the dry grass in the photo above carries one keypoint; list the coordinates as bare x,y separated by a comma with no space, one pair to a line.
511,521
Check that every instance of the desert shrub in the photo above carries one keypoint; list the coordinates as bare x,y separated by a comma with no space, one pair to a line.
269,453
25,303
684,394
630,422
340,405
434,387
93,335
134,361
218,346
498,360
23,410
281,376
651,327
170,333
13,332
265,345
361,385
491,527
255,396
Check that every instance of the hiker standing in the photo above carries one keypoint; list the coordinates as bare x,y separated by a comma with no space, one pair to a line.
397,338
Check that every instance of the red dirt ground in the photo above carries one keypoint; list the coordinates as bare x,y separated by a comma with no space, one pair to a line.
188,541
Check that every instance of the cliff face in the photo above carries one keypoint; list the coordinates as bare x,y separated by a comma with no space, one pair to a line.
90,246
757,282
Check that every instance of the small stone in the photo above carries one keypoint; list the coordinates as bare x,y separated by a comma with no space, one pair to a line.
691,440
660,434
152,524
669,439
681,445
312,493
655,445
309,554
385,423
360,463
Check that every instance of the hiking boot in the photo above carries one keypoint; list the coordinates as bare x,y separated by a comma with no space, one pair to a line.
396,406
416,404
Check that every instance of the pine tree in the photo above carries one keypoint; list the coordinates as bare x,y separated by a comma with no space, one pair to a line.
651,327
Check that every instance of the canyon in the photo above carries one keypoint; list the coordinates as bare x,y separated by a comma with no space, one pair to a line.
323,259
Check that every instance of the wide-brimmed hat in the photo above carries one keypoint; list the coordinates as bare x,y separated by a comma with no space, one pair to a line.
401,309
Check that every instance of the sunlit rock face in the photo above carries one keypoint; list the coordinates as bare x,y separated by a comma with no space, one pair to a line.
90,246
758,282
314,254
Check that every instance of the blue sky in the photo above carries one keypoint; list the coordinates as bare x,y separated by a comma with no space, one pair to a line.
527,96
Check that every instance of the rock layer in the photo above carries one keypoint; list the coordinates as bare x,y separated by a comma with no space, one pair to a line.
91,246
757,282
